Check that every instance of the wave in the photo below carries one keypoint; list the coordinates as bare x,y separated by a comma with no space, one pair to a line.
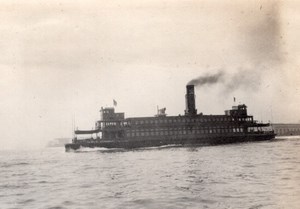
161,147
8,165
97,149
287,137
103,149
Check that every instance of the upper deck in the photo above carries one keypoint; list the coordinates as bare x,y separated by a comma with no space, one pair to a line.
236,116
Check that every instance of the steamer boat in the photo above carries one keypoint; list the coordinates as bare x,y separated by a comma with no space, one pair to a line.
113,130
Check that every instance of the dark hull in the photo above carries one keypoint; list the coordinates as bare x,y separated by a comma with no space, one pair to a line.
200,141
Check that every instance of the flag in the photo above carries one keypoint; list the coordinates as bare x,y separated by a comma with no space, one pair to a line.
115,102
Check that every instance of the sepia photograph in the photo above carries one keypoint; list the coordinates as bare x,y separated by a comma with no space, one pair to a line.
171,104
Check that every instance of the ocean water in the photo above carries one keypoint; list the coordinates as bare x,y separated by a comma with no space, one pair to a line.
246,175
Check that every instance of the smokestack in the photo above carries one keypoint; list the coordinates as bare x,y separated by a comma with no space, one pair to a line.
190,105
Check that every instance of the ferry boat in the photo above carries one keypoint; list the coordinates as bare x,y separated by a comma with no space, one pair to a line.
113,130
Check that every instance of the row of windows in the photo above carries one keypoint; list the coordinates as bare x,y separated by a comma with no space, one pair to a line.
180,120
108,124
182,128
165,132
244,119
173,120
111,111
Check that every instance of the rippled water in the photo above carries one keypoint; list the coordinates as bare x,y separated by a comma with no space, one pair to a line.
248,175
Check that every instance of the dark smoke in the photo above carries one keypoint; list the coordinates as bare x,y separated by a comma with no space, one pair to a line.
207,79
244,79
260,39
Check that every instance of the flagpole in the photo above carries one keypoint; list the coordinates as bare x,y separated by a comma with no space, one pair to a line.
115,103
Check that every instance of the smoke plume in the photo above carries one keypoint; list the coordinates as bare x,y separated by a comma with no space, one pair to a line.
260,41
207,79
244,79
261,33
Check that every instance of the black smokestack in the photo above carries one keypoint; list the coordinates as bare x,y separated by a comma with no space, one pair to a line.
190,101
207,79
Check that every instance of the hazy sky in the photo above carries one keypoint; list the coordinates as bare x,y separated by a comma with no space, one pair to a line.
61,59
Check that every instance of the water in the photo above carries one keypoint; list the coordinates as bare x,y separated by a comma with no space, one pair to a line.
248,175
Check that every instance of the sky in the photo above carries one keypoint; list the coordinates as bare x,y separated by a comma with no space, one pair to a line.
63,60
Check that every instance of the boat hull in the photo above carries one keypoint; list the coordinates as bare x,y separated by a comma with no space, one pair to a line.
199,141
